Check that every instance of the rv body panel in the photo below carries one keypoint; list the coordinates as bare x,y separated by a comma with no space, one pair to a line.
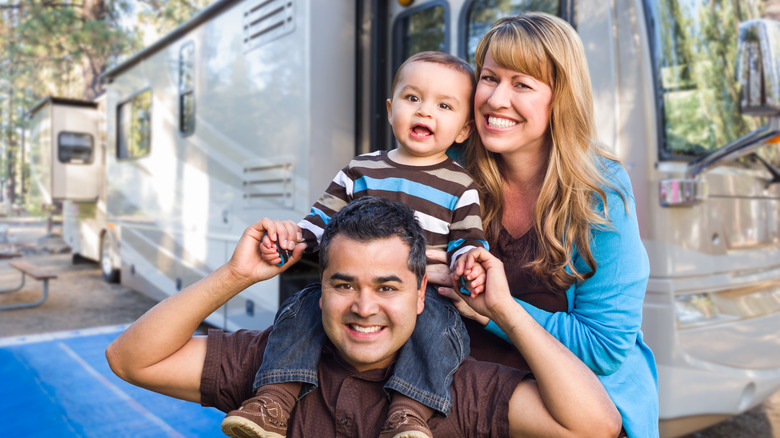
65,146
271,128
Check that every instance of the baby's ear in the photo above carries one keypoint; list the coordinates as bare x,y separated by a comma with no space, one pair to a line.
465,132
389,110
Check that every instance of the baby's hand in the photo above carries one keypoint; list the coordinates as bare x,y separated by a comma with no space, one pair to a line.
476,278
469,275
279,241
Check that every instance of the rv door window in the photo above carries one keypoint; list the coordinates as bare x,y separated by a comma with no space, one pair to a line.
187,88
75,147
421,29
481,14
694,46
134,130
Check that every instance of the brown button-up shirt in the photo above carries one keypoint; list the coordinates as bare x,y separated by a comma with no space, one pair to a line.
349,403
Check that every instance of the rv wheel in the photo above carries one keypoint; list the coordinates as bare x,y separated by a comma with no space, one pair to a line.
110,274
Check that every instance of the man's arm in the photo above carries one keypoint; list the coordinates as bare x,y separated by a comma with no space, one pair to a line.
566,398
159,352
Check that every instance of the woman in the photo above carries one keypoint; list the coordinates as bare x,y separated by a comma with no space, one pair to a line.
559,211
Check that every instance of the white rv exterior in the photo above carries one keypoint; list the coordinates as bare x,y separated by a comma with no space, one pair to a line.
250,109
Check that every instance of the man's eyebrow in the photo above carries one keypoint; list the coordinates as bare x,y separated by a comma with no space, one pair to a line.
388,279
342,277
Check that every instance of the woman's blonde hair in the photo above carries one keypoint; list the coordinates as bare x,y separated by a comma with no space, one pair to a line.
549,49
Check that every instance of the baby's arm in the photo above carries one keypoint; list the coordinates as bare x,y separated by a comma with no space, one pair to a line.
279,241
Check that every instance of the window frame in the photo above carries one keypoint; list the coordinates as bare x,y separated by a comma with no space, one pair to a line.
186,92
397,52
91,147
119,150
567,11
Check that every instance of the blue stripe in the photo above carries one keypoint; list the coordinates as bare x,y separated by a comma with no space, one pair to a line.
317,212
455,244
401,185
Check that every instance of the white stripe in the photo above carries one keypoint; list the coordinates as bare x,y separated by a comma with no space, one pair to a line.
121,394
342,180
462,250
467,198
317,231
45,337
432,224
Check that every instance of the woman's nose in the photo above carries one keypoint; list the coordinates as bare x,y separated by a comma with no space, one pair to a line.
499,98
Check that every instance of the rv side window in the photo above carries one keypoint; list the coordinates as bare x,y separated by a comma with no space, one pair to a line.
694,47
481,14
187,88
75,147
421,29
134,130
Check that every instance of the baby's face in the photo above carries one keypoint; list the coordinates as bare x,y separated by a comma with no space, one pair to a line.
430,109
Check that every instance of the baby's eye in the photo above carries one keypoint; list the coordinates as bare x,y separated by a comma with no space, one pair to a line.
445,106
412,98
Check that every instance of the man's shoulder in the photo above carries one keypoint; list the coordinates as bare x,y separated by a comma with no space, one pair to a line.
487,371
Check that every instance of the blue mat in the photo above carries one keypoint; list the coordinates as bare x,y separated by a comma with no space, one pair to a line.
59,385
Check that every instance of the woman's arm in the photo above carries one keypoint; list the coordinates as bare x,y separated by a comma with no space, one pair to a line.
605,310
158,351
566,398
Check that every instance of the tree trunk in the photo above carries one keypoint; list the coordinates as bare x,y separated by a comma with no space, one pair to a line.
92,66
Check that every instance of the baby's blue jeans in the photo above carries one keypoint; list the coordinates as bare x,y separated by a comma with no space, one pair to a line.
423,370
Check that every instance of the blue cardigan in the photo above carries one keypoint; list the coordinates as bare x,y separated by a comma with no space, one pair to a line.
603,323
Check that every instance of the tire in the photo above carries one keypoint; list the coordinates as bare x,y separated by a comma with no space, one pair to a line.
110,274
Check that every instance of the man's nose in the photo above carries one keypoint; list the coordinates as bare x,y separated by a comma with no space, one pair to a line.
365,303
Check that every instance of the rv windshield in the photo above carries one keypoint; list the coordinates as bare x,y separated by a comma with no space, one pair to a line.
694,45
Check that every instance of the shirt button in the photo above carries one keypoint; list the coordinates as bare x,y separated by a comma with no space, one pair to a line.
343,421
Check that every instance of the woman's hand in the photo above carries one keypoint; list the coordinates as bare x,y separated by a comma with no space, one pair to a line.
437,270
439,273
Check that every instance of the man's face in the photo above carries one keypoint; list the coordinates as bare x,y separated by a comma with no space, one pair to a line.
370,300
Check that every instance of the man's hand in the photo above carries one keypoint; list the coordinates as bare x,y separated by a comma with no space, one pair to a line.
249,263
496,297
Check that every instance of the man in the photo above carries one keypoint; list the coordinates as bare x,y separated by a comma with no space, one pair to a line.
372,258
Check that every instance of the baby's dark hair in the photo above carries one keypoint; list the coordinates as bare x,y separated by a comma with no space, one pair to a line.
441,58
370,218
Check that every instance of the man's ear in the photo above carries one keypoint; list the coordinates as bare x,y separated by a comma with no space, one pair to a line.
465,132
320,301
421,294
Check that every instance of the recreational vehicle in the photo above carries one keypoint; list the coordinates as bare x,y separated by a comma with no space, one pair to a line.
251,107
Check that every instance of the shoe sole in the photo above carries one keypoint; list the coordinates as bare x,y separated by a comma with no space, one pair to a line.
239,427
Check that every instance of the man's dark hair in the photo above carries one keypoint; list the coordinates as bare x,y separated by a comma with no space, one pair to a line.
369,218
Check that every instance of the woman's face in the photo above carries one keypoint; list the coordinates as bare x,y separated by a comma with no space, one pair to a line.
511,110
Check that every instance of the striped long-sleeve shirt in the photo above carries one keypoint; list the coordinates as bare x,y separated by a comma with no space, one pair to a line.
443,197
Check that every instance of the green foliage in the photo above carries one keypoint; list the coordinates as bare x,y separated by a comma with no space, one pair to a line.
61,48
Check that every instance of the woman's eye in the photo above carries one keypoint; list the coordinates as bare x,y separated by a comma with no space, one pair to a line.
488,78
522,85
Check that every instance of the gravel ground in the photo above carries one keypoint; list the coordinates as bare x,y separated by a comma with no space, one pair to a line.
79,298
